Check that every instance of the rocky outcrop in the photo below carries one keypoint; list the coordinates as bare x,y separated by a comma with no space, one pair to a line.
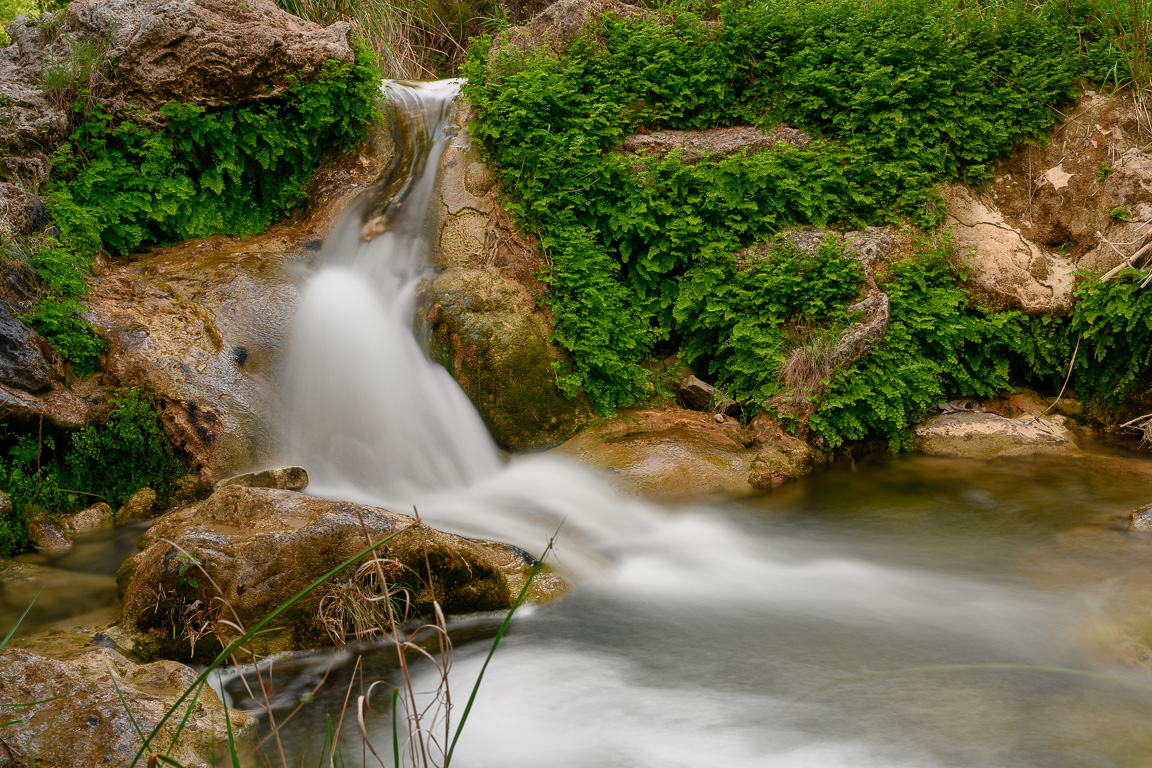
780,457
258,547
867,246
980,435
555,28
481,312
1005,269
713,142
80,718
204,52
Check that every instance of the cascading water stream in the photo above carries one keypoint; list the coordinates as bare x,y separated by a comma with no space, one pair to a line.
689,651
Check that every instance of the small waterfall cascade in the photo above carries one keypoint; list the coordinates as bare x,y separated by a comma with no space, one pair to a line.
372,413
374,420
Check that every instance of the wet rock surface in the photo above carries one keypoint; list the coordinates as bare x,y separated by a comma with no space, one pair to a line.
137,507
262,546
284,478
673,453
980,435
82,720
484,322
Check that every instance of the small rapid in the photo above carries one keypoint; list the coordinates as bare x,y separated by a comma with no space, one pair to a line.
691,632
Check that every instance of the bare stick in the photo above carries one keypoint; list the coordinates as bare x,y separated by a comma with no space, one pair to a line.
1066,378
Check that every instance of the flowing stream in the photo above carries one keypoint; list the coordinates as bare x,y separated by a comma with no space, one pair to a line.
706,635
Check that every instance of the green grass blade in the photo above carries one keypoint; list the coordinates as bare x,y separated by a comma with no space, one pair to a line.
32,703
395,725
187,714
237,643
19,621
491,653
231,737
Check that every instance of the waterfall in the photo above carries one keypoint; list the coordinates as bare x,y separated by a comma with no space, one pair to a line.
374,420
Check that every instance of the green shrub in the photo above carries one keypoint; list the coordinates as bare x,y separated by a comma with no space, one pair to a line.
121,183
937,346
108,462
900,95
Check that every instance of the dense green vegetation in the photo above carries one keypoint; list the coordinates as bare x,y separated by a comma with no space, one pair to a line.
108,462
898,96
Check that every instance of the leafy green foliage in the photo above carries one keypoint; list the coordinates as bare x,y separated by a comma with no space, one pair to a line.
59,315
121,183
106,462
936,346
900,94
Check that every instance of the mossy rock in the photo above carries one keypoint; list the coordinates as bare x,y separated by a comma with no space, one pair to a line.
484,329
258,547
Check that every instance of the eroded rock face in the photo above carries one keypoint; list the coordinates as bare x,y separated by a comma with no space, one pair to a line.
261,546
1006,270
85,723
205,52
979,435
713,142
481,313
556,27
284,478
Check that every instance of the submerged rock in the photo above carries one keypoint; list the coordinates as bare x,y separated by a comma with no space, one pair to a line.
82,721
46,536
99,515
979,435
1141,518
261,546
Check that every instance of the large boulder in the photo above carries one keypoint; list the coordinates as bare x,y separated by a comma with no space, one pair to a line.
258,547
484,321
81,719
981,435
204,52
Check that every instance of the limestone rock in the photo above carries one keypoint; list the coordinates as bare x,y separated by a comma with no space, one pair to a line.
205,52
284,478
555,28
858,338
82,721
865,245
20,212
59,407
261,546
668,453
484,330
1007,271
138,506
22,362
5,504
974,434
713,142
781,457
45,536
92,518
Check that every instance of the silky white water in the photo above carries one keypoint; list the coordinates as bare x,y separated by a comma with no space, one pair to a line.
691,631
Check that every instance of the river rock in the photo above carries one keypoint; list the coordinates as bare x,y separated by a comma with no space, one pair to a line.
979,435
99,515
1141,519
698,395
668,453
781,457
205,52
261,546
83,722
138,506
284,478
46,536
